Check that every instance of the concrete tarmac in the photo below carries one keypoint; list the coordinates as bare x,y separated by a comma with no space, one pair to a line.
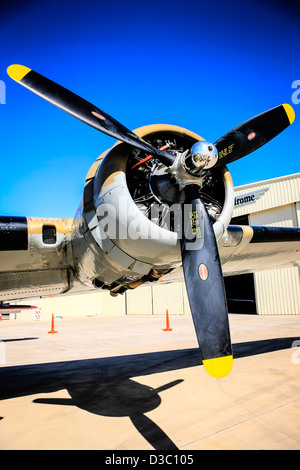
122,383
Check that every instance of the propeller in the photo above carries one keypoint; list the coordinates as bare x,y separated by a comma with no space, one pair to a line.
205,286
199,251
81,109
254,133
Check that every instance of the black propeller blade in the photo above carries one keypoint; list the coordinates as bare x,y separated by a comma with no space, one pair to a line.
205,288
253,133
82,109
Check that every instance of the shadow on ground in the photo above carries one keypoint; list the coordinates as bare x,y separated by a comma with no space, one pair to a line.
118,398
105,386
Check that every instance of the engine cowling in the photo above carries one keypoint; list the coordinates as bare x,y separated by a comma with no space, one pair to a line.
127,228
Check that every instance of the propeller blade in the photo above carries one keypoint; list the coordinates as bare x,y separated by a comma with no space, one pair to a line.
206,291
81,109
253,133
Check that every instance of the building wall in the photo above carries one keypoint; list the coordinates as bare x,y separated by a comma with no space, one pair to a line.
82,305
156,299
279,192
278,290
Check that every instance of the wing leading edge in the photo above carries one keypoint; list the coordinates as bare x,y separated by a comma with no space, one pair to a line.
246,249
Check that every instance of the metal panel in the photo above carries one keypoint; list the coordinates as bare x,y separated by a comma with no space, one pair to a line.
284,216
33,283
298,213
186,304
139,301
81,305
277,291
279,192
112,305
167,297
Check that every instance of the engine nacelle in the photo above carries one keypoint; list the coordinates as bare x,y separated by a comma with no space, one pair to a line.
127,229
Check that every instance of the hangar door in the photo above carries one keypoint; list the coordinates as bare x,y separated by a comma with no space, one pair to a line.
240,290
240,293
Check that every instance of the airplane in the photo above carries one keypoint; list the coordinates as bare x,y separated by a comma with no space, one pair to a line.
156,205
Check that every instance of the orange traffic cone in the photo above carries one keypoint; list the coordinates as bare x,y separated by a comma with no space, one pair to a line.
168,323
52,325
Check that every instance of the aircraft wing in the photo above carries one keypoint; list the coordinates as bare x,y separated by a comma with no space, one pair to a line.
8,308
247,249
255,248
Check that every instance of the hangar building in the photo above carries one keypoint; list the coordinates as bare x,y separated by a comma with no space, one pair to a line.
274,202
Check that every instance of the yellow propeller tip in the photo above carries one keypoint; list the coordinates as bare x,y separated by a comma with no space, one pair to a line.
290,112
218,367
17,72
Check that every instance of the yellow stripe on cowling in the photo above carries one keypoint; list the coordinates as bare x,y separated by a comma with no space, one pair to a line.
290,112
17,72
218,367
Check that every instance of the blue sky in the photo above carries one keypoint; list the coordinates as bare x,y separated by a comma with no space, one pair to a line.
206,66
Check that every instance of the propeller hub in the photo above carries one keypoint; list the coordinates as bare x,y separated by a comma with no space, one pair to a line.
190,167
203,155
